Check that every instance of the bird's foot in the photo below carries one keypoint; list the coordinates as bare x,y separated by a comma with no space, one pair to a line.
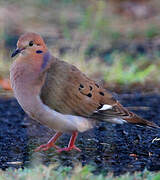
45,147
51,143
68,149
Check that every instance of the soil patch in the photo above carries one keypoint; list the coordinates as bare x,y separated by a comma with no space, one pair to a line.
108,147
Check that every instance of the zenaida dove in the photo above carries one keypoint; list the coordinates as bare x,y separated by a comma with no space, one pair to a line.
59,95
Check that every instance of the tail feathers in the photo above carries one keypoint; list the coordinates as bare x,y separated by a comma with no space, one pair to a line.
118,114
140,121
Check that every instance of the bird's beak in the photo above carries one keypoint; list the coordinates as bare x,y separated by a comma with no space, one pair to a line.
15,52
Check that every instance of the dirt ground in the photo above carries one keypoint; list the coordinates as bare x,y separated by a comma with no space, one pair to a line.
107,147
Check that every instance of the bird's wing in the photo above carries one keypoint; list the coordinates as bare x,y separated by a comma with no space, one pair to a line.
69,91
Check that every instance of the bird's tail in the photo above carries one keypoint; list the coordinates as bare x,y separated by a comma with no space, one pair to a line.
135,119
119,114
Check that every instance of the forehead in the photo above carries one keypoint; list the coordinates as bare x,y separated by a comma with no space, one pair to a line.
26,38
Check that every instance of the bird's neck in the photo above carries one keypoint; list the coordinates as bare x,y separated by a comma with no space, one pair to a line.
26,80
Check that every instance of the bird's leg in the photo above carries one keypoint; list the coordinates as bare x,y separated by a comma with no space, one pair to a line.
45,147
71,144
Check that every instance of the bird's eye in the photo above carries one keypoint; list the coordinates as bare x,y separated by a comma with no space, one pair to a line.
31,43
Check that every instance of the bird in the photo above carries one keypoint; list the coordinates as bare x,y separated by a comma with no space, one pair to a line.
59,95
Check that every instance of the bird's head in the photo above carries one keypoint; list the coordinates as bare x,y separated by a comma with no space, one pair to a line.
30,43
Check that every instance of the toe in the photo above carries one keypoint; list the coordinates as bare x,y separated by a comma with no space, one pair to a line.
76,148
45,147
39,148
62,149
68,149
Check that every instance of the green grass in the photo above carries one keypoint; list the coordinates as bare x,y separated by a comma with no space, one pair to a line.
120,72
51,172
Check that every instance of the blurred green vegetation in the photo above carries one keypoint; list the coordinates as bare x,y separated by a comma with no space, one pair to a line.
51,172
88,34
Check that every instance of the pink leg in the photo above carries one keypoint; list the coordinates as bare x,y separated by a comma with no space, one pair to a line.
71,144
45,147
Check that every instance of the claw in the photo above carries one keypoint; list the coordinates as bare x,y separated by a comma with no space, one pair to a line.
68,149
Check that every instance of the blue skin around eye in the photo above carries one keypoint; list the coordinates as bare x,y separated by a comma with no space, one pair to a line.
46,59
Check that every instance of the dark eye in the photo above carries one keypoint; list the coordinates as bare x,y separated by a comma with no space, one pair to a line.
31,43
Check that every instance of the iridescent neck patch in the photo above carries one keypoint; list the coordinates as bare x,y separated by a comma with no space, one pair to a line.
46,59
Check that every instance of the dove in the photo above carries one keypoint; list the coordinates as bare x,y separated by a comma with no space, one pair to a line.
58,95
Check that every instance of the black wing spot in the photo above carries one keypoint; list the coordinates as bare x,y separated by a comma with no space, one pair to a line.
81,86
101,105
90,88
89,95
101,93
97,85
